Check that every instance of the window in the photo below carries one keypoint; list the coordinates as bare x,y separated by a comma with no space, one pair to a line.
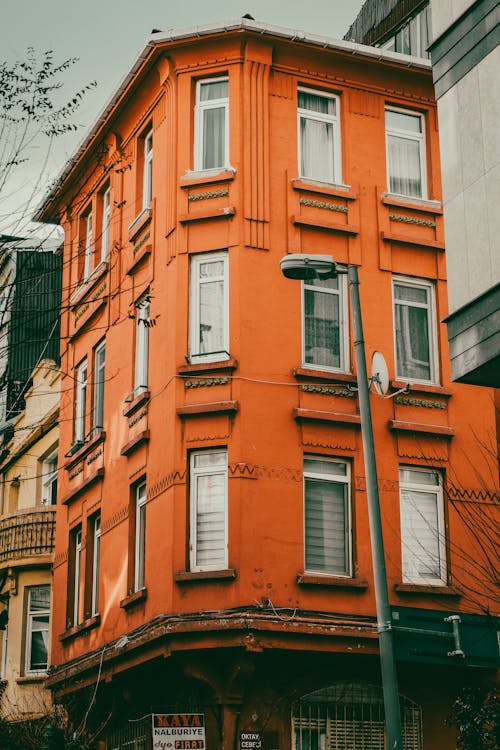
147,175
81,401
422,526
141,344
208,495
414,330
209,307
99,365
350,715
413,37
87,253
49,479
76,547
327,516
319,136
211,131
140,536
325,324
106,216
37,630
406,160
95,528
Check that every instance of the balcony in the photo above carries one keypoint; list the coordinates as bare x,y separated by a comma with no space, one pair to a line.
27,534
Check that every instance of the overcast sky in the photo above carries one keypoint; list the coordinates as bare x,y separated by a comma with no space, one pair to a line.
107,35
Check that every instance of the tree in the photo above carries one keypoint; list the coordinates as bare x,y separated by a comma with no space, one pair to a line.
476,714
34,110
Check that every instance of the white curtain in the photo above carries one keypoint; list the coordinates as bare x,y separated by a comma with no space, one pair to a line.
316,139
322,328
211,313
405,171
214,138
325,532
210,521
420,536
412,334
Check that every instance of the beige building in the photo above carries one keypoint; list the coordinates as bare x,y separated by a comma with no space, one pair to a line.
28,488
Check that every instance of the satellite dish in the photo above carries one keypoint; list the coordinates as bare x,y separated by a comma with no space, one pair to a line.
380,373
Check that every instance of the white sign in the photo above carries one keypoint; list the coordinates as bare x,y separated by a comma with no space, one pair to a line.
178,731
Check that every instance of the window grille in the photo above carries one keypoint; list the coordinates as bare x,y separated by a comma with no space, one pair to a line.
131,737
350,717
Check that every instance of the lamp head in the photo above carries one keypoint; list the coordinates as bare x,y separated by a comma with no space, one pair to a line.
307,267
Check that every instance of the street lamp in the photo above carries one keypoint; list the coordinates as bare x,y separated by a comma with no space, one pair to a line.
304,267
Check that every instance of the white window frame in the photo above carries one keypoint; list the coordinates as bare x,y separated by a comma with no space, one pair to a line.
49,478
106,218
96,556
341,294
419,138
141,366
195,321
199,114
99,385
87,258
147,175
334,479
77,576
334,120
30,629
5,642
140,537
81,400
195,473
410,556
431,324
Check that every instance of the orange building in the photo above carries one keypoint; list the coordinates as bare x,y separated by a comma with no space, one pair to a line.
213,565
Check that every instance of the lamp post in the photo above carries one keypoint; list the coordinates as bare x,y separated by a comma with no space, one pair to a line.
303,267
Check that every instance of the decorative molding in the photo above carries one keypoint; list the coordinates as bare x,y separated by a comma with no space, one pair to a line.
220,193
142,241
75,473
408,401
329,390
413,220
115,520
61,558
212,436
94,456
175,477
323,204
205,382
137,418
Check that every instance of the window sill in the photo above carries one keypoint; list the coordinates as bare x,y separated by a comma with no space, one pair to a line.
422,388
141,439
328,376
326,188
187,576
82,627
399,425
86,285
419,204
200,368
214,407
85,449
136,402
134,599
326,416
206,176
30,679
425,588
311,579
139,223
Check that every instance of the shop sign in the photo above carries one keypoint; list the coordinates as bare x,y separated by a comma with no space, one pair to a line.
259,741
178,731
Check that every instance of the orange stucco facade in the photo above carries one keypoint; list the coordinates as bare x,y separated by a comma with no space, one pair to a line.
243,640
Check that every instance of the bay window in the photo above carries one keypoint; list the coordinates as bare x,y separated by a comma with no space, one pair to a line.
422,526
327,516
415,334
209,307
325,324
211,126
208,502
37,629
406,159
319,136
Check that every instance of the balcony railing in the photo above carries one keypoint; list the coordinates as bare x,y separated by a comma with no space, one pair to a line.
27,533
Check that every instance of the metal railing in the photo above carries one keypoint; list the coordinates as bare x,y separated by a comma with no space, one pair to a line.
27,533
